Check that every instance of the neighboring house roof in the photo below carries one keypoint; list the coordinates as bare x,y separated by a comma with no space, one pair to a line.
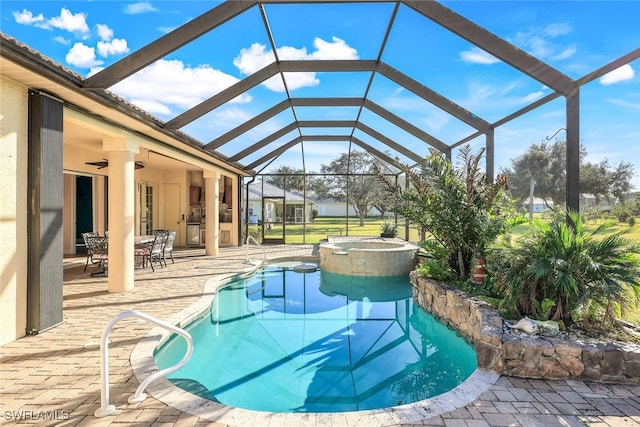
327,200
258,190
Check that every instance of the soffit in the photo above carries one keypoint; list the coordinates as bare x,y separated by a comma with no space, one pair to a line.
118,118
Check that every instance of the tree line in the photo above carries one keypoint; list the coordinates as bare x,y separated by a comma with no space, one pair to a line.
543,168
540,171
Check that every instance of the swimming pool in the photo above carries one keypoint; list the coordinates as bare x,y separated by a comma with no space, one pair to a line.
286,341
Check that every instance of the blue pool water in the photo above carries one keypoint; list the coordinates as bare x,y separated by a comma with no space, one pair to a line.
285,341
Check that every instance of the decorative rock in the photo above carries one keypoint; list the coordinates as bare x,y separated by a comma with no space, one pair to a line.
631,353
526,325
572,364
496,320
511,349
591,374
549,351
567,348
632,369
592,357
612,361
550,368
548,328
613,378
487,355
532,352
505,350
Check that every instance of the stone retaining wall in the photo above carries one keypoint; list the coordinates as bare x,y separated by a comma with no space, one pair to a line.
500,351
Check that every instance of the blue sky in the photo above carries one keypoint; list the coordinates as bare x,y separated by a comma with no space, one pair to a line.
575,37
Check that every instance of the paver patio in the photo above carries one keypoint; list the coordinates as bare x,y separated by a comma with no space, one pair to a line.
54,378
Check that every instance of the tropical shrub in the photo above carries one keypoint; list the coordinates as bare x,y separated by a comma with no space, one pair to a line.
560,270
455,205
388,229
254,231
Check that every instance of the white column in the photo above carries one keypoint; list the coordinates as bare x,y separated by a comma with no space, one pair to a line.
121,155
99,213
235,238
212,227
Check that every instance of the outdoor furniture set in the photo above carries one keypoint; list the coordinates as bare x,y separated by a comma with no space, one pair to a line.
155,247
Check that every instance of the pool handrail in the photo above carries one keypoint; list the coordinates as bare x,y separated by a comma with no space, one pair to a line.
255,242
105,408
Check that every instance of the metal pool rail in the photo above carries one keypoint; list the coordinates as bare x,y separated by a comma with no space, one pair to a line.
255,242
105,408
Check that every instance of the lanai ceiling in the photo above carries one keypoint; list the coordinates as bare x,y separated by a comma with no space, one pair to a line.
346,111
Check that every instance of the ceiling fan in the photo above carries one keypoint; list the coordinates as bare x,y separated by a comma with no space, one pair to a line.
104,163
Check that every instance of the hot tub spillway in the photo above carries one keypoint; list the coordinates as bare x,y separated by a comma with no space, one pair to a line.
368,257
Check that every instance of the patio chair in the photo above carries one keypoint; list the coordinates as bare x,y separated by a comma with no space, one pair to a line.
98,248
86,245
151,251
168,247
143,251
157,250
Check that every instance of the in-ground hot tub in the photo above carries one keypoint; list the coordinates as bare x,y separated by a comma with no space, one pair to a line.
368,257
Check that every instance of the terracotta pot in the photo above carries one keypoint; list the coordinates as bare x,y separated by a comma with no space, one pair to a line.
479,273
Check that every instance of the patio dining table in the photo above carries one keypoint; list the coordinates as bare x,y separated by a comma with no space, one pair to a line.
146,238
102,268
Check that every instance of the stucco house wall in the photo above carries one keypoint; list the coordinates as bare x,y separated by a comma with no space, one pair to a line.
332,207
13,209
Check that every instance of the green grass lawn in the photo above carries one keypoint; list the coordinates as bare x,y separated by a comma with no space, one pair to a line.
633,232
320,228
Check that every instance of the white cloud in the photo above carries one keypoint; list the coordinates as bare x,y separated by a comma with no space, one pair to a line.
476,55
533,96
294,81
152,106
26,18
256,57
69,22
167,83
234,116
482,96
478,94
108,45
557,29
398,91
113,47
251,59
94,70
624,104
538,41
62,40
104,32
82,56
141,7
436,120
567,53
165,30
336,49
618,75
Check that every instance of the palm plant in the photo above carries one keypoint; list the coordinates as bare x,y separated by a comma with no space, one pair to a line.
580,271
460,210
